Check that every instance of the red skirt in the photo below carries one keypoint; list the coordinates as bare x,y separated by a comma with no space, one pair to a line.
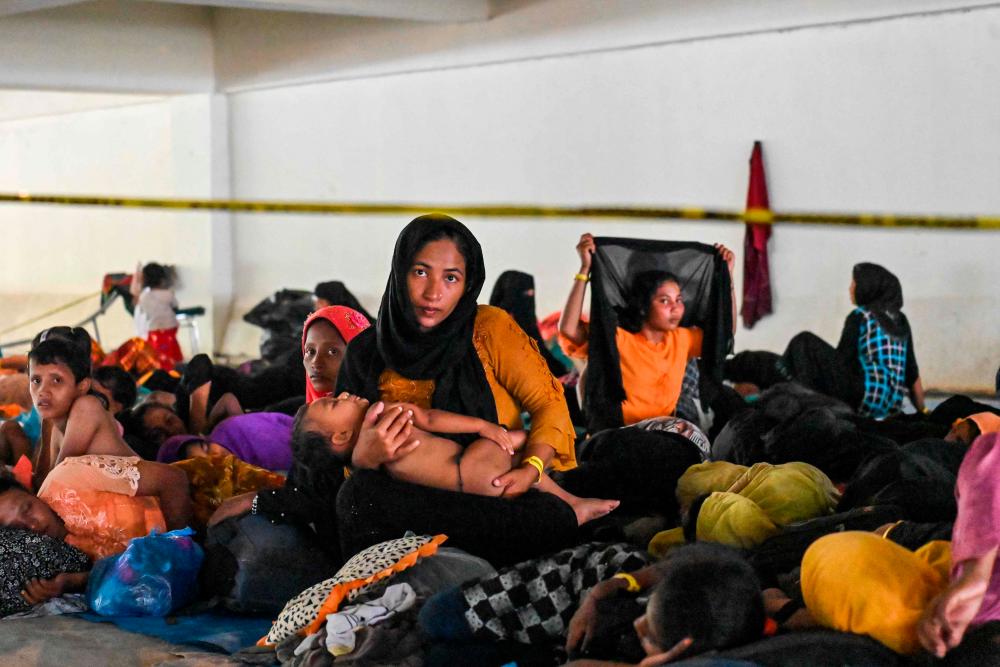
164,342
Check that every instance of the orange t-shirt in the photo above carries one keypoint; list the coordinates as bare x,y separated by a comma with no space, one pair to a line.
652,373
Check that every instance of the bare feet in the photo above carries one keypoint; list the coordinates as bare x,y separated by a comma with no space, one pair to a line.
588,509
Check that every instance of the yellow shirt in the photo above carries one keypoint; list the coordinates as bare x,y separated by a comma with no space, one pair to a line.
517,376
652,373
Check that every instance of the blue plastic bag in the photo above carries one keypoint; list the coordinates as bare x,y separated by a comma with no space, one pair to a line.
155,575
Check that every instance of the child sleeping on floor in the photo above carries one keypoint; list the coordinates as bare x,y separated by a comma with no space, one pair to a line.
438,462
86,435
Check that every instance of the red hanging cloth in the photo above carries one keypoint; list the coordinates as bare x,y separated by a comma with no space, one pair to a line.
756,272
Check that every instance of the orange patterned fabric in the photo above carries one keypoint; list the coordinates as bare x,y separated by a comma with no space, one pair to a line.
134,355
517,376
98,505
215,478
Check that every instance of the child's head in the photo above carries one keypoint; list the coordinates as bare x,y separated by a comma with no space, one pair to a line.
154,423
117,386
322,353
19,508
77,337
708,593
191,447
156,276
58,374
967,430
654,300
336,420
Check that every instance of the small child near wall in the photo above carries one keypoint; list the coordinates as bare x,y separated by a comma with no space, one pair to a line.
155,317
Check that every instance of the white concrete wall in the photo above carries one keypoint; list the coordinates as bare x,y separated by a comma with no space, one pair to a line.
55,254
895,115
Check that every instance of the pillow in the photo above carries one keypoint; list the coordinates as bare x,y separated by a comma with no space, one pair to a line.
306,612
25,555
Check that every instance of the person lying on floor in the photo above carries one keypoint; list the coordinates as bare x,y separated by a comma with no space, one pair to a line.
702,597
259,438
440,463
86,437
19,508
967,430
943,598
262,439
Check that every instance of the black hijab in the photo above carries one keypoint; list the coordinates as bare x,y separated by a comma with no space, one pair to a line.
337,294
878,290
705,285
444,354
514,291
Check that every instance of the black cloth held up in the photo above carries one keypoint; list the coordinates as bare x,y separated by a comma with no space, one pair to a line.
707,291
444,354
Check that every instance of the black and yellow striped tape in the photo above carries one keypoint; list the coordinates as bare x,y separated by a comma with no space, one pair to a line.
503,211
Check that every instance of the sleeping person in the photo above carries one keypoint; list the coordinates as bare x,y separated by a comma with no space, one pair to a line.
437,461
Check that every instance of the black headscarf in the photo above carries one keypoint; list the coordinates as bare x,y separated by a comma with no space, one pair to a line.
444,354
705,285
878,290
514,291
337,294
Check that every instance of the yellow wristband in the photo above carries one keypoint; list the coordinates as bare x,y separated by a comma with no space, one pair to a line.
537,464
582,277
633,584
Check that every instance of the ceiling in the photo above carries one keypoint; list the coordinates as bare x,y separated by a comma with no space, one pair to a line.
438,11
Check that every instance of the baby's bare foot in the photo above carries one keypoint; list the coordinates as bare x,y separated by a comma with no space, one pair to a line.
588,509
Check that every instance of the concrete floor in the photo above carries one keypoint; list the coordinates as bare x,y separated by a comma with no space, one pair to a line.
61,641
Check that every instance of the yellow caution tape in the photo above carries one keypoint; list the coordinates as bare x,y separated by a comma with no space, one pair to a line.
759,216
57,309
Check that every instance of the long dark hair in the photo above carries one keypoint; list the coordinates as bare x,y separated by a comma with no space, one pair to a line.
878,290
640,298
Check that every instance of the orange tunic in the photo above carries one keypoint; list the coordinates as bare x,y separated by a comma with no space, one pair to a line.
517,376
652,373
95,496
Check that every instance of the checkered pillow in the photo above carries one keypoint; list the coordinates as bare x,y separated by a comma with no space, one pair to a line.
305,613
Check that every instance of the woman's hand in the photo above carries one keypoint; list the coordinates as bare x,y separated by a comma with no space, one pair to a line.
384,437
230,507
499,435
585,249
37,591
727,256
516,481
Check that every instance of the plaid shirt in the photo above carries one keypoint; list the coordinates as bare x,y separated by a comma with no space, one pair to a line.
883,365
